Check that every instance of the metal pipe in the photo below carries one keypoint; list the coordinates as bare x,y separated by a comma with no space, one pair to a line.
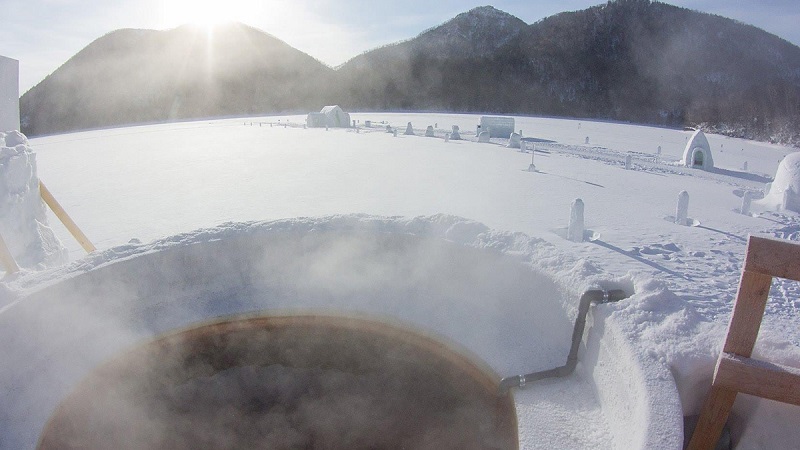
587,299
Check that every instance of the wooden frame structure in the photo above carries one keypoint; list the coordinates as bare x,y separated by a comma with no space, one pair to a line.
736,371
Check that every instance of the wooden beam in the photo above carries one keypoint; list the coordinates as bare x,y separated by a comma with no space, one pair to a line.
712,419
760,378
748,310
775,257
6,258
62,215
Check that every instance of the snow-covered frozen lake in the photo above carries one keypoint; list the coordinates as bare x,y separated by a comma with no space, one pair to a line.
150,182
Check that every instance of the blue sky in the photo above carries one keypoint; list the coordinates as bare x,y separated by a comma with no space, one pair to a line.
43,34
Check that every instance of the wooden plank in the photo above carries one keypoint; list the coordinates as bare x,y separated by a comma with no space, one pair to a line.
774,257
760,378
65,219
712,419
7,258
748,310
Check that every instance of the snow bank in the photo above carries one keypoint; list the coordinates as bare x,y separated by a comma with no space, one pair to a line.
504,299
23,223
785,190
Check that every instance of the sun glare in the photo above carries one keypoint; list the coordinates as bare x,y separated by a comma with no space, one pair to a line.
208,13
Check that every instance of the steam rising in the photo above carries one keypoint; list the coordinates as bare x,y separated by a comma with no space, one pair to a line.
481,304
306,382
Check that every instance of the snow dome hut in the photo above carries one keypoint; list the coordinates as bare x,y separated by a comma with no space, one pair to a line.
785,190
698,152
9,94
498,127
330,116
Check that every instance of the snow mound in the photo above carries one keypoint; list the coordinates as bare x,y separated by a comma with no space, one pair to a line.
23,223
785,190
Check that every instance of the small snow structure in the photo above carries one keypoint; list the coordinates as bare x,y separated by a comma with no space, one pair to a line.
455,135
576,224
514,140
784,193
429,131
498,127
682,209
483,137
330,116
409,130
313,120
9,94
747,199
698,152
23,220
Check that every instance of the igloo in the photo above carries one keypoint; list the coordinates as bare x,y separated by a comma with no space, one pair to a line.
698,152
785,190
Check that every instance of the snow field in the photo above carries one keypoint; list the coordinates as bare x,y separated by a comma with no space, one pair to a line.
155,181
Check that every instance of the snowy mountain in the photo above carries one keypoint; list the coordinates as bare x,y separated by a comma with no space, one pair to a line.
628,60
651,62
631,60
134,76
426,72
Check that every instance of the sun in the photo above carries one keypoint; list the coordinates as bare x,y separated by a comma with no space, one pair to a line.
208,13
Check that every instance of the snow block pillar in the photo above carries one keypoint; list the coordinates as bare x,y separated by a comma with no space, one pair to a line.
747,198
23,219
682,210
576,225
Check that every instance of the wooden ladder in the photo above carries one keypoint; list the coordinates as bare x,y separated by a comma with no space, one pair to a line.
736,371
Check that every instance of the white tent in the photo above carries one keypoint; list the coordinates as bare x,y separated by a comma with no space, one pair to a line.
698,152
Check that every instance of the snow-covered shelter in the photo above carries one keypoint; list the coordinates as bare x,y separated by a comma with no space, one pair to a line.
785,190
9,94
498,127
330,116
315,120
698,152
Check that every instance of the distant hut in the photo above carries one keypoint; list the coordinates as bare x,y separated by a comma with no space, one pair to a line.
498,127
315,120
698,152
330,116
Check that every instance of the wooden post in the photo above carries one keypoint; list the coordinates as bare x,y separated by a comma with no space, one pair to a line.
736,371
65,219
6,258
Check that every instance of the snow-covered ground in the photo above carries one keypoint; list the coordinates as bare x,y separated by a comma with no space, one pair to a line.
149,182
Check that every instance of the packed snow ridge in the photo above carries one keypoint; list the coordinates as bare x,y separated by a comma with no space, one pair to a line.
23,221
